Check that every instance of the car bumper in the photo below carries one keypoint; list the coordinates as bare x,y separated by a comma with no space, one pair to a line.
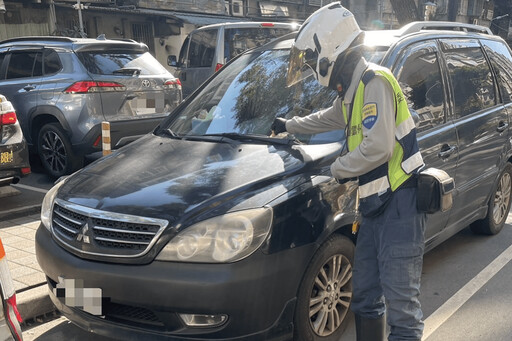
13,157
257,294
121,133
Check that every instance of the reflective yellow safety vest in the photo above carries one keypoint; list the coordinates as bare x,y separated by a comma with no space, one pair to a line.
406,155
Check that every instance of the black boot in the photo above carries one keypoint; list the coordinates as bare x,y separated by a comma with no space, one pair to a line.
370,329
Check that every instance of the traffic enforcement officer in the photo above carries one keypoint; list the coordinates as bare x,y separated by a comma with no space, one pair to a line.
383,154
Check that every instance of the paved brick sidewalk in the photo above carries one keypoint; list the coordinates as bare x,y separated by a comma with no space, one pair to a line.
18,238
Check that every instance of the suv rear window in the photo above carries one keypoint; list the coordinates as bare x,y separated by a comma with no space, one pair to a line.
107,63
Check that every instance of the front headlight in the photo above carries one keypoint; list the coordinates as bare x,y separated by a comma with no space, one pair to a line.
46,207
222,239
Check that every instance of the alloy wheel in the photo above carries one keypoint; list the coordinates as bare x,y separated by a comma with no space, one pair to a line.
331,295
502,198
54,151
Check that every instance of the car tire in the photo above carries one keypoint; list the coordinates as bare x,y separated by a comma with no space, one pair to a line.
55,151
498,207
325,292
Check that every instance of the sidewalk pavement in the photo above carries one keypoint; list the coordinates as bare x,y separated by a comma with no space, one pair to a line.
18,238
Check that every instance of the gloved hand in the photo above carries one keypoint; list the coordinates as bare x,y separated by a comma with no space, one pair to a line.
279,125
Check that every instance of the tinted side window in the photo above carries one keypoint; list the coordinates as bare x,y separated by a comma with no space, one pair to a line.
202,48
237,40
24,64
471,79
183,52
52,62
501,61
2,69
421,81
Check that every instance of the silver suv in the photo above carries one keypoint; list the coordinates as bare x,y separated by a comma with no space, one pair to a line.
63,88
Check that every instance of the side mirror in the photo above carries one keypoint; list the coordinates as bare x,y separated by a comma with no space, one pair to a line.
172,61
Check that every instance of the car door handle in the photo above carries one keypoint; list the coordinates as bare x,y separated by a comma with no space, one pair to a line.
446,151
29,87
502,126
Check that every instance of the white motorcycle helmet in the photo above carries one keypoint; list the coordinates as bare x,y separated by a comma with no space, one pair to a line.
322,38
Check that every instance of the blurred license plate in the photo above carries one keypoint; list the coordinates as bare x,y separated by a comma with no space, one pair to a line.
149,103
6,157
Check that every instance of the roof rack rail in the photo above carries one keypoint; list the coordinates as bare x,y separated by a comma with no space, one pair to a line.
417,26
38,38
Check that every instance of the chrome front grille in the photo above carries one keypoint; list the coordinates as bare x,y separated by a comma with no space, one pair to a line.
89,231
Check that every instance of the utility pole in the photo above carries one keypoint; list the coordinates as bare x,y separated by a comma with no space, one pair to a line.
78,6
53,18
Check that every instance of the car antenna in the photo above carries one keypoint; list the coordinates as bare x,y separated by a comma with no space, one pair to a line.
101,37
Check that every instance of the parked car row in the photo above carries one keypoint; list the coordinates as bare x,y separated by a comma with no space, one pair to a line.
208,228
71,85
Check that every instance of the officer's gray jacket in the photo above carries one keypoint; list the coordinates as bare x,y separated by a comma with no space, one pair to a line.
378,141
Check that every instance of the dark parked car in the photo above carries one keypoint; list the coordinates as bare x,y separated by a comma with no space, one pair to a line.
14,162
210,229
63,88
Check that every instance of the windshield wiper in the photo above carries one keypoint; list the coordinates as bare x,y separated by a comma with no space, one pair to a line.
258,138
134,71
168,132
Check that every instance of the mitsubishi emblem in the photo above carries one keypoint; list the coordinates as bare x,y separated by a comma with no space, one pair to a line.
83,234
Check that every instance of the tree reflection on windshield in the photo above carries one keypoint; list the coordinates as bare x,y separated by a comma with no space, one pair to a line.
247,96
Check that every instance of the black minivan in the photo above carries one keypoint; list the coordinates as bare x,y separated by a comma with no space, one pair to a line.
210,229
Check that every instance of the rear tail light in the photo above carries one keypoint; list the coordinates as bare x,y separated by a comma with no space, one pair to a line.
88,87
173,84
8,118
218,66
25,170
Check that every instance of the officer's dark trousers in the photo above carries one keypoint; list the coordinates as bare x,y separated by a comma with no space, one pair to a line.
387,266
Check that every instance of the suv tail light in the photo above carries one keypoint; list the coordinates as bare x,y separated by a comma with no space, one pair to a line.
175,83
8,118
89,86
218,66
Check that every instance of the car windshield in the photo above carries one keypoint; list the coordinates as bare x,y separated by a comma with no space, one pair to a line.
246,97
109,63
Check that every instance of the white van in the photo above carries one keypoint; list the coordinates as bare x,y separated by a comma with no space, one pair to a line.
207,49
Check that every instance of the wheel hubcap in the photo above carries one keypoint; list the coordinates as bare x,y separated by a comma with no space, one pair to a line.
53,151
502,198
331,295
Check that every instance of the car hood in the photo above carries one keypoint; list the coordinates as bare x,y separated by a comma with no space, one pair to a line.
168,178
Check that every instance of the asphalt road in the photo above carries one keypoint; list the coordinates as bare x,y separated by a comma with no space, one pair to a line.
466,294
466,291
